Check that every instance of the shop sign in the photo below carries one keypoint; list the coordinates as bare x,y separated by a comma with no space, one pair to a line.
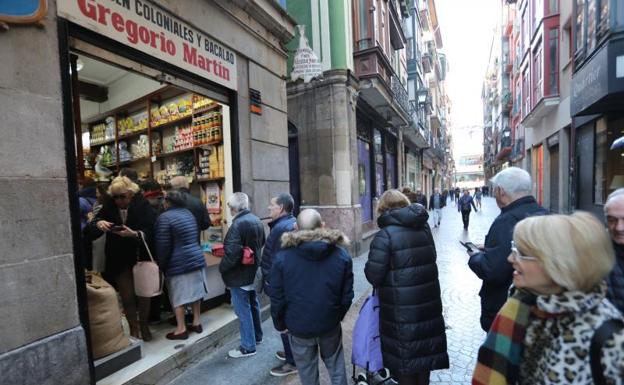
22,11
590,83
147,27
306,64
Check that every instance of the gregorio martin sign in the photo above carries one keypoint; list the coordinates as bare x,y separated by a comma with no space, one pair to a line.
142,25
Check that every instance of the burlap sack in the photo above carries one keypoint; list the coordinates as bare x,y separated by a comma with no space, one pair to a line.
107,334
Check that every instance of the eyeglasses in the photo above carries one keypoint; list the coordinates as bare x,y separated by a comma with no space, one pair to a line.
519,257
118,197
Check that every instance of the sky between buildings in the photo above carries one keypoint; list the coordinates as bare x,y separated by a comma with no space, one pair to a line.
467,31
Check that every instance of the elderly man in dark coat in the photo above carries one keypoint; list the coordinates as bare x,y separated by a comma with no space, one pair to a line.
614,211
512,190
246,231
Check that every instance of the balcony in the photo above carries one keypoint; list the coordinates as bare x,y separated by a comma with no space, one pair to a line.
377,89
507,102
400,93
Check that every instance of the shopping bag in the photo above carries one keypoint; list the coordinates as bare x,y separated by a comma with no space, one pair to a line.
148,280
248,256
217,250
366,350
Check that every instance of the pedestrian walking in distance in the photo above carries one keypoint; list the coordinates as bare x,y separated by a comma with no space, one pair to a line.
246,231
402,267
464,206
181,258
311,291
614,212
512,190
436,204
478,195
282,221
543,332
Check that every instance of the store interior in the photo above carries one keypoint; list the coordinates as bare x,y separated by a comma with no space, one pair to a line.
128,120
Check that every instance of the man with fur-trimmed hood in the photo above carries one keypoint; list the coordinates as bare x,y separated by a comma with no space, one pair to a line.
312,290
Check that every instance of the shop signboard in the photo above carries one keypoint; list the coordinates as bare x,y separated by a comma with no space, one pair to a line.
590,83
147,27
22,11
306,64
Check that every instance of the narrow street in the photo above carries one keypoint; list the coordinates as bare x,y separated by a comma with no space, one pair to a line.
461,312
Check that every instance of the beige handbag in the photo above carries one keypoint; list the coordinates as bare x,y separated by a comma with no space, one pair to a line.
148,280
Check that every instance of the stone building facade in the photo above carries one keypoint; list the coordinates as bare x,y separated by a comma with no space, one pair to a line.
44,340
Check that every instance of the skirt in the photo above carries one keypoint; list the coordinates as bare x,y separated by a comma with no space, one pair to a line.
187,288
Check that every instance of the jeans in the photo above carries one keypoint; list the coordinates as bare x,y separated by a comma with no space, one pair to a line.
287,349
306,352
437,216
247,309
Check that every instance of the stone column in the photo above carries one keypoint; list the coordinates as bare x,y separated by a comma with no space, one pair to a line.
324,113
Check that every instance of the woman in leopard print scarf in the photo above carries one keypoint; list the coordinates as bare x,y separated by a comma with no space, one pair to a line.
562,260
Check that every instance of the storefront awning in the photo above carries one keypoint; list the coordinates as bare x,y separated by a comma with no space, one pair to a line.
598,87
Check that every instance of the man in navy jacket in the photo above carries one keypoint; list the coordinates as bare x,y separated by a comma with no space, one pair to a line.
311,291
280,210
512,190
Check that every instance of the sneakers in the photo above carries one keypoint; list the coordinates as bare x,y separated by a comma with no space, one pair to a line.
259,342
280,355
283,370
241,352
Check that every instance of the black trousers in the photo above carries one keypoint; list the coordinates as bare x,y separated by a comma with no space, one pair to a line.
414,379
466,218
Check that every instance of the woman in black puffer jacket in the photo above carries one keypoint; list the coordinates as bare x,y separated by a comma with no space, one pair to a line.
402,267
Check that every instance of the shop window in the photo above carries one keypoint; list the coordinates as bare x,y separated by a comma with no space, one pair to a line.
379,163
600,162
553,70
614,166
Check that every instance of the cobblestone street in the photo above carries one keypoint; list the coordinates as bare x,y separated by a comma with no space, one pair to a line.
460,289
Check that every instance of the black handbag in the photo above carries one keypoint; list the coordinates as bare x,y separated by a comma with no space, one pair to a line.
604,332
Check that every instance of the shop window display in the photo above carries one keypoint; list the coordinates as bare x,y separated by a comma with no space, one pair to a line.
161,131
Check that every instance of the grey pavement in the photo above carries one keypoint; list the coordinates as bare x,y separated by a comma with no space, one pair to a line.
460,289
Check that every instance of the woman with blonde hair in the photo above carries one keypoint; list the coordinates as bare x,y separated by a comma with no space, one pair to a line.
543,333
402,268
125,218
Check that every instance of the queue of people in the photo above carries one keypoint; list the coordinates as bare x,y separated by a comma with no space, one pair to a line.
549,281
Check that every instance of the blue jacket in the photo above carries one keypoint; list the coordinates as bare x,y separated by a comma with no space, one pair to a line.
273,243
177,249
491,265
311,283
464,203
615,280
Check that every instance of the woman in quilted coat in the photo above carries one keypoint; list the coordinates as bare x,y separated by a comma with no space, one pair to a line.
402,266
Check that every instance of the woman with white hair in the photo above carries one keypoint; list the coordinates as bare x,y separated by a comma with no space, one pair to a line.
542,334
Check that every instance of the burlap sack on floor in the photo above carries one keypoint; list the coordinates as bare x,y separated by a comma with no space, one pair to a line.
107,334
